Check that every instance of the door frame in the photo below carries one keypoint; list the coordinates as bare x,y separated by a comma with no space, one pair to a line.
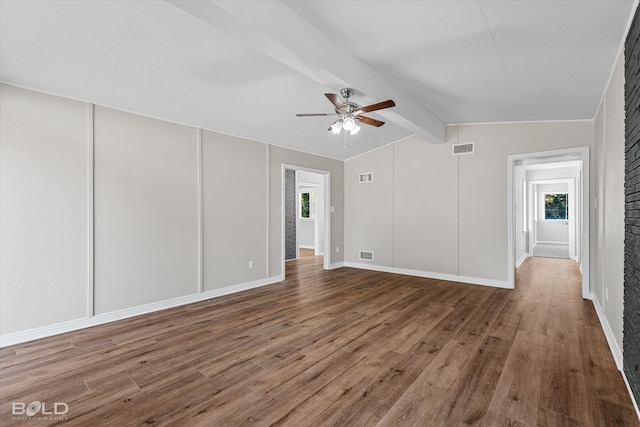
326,194
583,217
317,189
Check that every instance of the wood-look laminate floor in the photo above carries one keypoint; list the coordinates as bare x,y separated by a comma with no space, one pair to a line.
346,348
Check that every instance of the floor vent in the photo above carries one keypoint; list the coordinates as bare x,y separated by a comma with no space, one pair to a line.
366,255
460,149
366,177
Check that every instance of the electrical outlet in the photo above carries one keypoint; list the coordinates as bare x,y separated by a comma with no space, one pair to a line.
250,264
606,293
337,249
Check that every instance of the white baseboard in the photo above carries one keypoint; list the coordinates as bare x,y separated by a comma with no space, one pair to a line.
87,322
431,275
608,333
633,400
615,349
336,265
306,247
521,260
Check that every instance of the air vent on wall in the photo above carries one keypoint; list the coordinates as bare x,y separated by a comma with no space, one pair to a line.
366,255
366,177
460,149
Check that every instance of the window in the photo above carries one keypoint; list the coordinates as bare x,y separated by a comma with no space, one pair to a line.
307,204
556,206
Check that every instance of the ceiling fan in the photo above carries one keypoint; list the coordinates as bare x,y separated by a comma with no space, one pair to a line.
348,112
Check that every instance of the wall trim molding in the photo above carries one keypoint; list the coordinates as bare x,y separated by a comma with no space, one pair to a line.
90,212
522,259
633,400
608,333
200,211
100,319
431,275
616,352
336,265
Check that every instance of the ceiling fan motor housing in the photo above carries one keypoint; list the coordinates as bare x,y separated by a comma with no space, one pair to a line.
346,93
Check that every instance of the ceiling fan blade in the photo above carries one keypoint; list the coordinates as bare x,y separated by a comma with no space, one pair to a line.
370,121
334,100
315,114
373,107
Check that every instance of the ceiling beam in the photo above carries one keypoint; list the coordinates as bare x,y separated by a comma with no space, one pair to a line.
275,30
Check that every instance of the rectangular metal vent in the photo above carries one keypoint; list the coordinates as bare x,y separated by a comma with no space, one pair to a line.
366,255
460,149
366,177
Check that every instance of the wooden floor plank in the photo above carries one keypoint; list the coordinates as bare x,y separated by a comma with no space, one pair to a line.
495,420
339,347
517,393
421,400
469,399
564,388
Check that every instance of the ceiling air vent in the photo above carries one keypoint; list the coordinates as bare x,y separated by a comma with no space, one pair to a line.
460,149
366,177
366,255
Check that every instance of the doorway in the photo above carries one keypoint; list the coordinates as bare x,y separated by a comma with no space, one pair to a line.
550,214
309,212
305,207
538,181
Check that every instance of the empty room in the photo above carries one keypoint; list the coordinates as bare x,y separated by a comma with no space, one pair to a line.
319,213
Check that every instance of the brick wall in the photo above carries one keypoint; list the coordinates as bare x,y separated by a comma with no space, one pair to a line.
631,340
290,214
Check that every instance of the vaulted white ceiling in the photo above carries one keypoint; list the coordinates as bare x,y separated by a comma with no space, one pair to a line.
246,68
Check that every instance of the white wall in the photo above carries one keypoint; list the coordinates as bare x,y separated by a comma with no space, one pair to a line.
369,210
609,237
176,217
550,231
43,209
306,229
425,206
466,198
146,210
234,210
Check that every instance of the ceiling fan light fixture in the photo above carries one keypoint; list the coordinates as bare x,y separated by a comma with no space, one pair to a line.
348,124
347,112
